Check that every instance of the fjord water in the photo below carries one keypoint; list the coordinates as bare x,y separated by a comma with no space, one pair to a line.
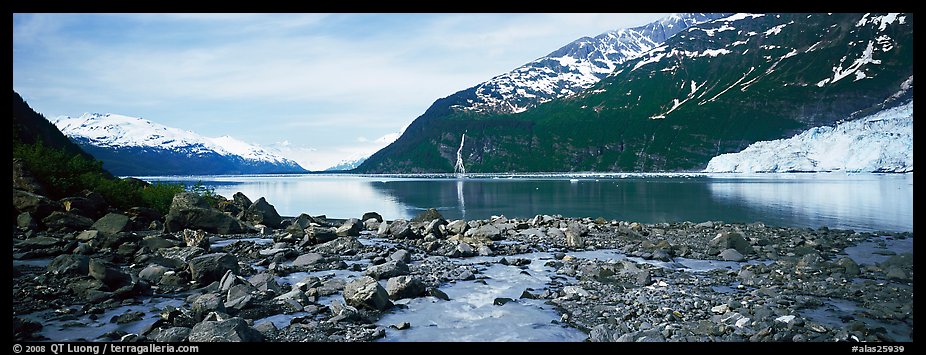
862,202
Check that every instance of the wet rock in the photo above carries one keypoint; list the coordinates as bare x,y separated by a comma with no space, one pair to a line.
351,227
365,292
296,295
88,235
457,227
206,303
575,292
189,211
852,269
308,259
172,335
501,301
66,222
39,206
401,255
340,246
230,330
602,333
404,287
730,240
488,231
109,275
462,250
69,264
574,235
484,250
211,267
142,217
261,212
437,293
152,273
265,282
242,201
555,233
388,269
154,242
112,223
400,229
39,243
731,255
401,326
239,296
317,235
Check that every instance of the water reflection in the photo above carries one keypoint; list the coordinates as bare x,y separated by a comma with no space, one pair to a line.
862,202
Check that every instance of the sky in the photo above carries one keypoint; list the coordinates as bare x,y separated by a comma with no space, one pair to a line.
318,88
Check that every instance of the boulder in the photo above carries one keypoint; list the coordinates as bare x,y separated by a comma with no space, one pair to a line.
24,180
731,255
66,222
427,216
112,223
239,296
728,240
242,201
229,330
388,269
261,212
109,275
91,205
172,335
457,227
191,211
206,303
69,264
488,231
373,215
308,259
851,267
351,227
319,235
574,235
40,206
404,287
401,255
40,243
142,217
400,229
298,225
365,292
265,281
484,250
211,267
152,273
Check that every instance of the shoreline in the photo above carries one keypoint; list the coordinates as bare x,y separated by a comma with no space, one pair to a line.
315,279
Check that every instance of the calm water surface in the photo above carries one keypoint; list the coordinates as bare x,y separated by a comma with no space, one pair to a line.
863,202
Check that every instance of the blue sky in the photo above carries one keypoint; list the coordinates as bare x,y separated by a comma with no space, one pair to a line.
317,87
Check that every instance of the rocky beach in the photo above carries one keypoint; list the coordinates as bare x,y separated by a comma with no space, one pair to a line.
235,270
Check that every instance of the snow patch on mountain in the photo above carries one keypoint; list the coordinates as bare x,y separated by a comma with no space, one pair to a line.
882,142
575,67
120,131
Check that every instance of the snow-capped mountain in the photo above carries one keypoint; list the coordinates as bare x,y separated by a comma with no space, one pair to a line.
347,164
574,67
882,142
136,146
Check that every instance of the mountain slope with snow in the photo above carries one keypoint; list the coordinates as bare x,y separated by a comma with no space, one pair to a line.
136,146
574,67
713,88
882,142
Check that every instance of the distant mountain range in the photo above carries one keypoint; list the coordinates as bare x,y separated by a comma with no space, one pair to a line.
716,86
135,146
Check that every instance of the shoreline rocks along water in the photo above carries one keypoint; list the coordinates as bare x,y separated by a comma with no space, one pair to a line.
238,271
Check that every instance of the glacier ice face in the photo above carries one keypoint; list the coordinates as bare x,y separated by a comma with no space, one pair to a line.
881,142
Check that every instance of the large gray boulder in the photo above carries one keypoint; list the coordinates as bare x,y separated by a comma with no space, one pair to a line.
70,264
39,206
404,287
427,216
112,223
728,240
190,211
66,222
388,269
575,234
340,246
400,229
211,267
109,275
229,330
351,227
487,231
261,212
365,292
308,259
